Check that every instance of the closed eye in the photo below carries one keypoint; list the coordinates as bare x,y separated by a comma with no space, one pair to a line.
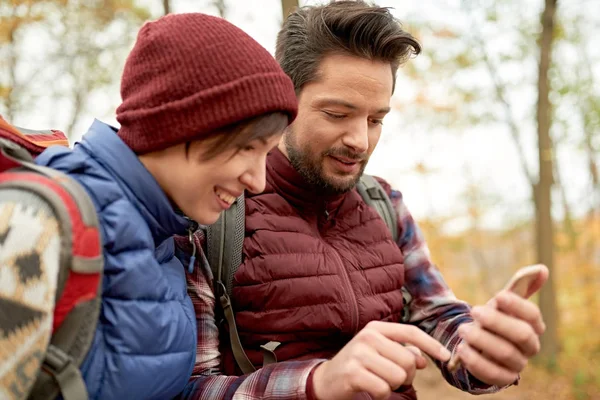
334,115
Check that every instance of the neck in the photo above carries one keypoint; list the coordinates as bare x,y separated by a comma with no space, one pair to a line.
288,182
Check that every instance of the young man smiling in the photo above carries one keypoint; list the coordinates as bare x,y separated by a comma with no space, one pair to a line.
321,273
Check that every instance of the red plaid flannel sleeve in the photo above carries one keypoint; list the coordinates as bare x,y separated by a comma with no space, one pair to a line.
434,307
281,381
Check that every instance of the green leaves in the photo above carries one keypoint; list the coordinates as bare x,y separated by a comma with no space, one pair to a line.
83,47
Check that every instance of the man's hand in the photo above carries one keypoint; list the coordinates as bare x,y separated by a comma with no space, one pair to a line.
376,361
506,333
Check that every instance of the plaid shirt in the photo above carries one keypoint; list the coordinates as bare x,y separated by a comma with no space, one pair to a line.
434,309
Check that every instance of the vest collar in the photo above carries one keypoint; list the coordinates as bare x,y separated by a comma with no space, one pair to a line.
290,185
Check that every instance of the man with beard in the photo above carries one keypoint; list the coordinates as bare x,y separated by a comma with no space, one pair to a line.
321,275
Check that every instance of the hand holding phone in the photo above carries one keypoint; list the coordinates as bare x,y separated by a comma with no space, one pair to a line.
524,283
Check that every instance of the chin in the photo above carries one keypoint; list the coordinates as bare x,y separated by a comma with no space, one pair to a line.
208,220
205,218
343,183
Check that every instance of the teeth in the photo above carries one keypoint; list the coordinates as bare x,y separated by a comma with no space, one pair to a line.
227,198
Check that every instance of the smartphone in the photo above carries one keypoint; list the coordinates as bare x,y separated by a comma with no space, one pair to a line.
522,283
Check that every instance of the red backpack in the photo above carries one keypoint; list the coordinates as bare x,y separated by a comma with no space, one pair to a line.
50,280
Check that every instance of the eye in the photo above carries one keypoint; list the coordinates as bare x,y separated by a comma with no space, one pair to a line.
248,148
334,115
376,121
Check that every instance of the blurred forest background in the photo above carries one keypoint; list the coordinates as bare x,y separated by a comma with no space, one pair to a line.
494,139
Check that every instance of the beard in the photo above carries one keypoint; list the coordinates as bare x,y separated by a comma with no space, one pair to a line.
310,166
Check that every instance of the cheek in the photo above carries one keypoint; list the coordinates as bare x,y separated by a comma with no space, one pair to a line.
307,129
228,172
191,183
195,196
374,139
321,135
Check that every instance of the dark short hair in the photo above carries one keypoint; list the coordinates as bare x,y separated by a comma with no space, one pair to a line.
341,27
242,133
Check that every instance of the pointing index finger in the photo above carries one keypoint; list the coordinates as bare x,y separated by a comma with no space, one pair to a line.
409,334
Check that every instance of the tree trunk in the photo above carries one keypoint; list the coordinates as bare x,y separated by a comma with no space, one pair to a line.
221,8
568,225
543,189
287,6
166,6
11,102
78,104
593,170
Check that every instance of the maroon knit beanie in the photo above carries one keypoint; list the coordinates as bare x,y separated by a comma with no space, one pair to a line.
190,74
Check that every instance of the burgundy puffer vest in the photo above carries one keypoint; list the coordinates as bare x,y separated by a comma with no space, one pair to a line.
315,269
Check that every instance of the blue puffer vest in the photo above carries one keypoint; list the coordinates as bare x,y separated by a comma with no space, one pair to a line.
145,341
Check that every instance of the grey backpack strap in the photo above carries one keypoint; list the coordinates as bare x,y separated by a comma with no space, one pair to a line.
268,352
224,243
65,375
374,195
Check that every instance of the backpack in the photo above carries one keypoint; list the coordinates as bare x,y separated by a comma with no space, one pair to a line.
224,243
38,366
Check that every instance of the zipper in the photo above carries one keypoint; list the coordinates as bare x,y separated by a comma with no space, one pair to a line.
347,286
352,295
191,229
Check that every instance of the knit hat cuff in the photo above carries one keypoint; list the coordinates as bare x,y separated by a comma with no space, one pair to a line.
206,111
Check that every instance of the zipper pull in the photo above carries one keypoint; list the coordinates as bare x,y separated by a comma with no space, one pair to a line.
327,215
190,268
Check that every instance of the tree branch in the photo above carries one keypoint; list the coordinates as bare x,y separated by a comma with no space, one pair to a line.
499,88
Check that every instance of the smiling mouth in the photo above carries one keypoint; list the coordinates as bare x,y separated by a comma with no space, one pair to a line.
226,197
347,162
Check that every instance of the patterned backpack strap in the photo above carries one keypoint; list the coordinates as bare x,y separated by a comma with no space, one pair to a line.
80,266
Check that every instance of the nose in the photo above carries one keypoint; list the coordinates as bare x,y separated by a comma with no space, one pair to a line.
254,177
357,137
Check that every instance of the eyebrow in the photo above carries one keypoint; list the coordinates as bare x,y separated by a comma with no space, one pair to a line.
339,102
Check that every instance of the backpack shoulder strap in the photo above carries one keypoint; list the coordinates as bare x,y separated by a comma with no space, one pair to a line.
374,195
224,244
77,299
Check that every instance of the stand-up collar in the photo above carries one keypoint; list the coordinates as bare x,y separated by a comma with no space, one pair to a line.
103,144
288,183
